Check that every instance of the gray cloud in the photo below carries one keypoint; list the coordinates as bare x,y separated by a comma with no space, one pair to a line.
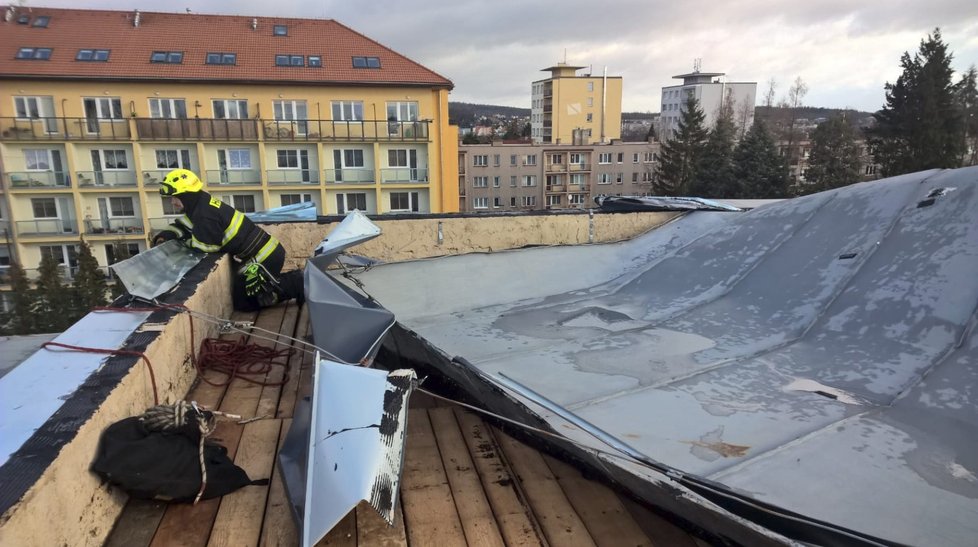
492,50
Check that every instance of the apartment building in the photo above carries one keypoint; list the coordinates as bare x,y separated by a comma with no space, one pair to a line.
520,177
571,109
711,90
97,106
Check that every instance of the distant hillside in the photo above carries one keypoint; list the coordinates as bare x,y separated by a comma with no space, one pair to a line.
638,115
466,114
813,113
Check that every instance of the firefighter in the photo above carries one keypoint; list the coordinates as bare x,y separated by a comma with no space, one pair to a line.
210,225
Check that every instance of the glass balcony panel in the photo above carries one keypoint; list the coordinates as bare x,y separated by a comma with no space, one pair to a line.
37,180
47,226
350,176
404,175
217,177
292,176
114,226
88,179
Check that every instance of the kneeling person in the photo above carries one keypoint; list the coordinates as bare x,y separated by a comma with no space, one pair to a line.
210,225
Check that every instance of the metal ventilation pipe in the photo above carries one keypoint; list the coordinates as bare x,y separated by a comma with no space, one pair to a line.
135,19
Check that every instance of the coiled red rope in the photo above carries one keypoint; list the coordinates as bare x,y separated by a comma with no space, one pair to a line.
238,359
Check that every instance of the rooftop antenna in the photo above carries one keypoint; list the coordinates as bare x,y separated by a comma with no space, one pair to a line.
696,64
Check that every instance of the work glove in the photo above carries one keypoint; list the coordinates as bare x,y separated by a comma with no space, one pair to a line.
256,280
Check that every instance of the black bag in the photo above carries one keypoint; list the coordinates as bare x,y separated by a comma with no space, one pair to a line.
165,465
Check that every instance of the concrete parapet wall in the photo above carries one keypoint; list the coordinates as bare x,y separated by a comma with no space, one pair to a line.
68,504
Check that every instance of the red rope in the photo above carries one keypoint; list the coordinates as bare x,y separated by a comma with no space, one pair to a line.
238,359
149,366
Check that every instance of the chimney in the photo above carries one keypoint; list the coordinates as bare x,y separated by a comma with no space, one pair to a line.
10,13
135,19
254,23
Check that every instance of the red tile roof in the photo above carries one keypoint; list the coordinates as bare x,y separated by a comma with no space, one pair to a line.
195,35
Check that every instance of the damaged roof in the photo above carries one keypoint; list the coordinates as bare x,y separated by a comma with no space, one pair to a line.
815,356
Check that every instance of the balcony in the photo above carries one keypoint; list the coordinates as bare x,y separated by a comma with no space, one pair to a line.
233,176
580,167
91,179
350,176
404,175
37,180
203,129
47,227
153,177
292,176
329,130
556,167
555,187
115,226
47,129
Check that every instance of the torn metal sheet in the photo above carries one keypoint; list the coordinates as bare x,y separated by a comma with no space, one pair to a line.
297,212
353,230
157,270
807,365
660,203
345,445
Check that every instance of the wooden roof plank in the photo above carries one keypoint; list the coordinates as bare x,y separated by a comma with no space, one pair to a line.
430,516
243,397
299,363
516,523
344,534
235,524
271,394
560,522
606,518
278,525
373,530
478,521
137,524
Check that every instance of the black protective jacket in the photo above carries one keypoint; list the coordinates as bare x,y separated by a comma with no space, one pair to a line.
212,226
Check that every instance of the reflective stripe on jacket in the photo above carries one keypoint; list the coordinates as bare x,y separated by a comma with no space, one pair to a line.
215,226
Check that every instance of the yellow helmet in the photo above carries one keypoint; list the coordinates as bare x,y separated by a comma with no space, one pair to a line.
180,181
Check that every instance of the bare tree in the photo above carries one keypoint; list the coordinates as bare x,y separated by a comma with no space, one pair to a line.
772,85
790,106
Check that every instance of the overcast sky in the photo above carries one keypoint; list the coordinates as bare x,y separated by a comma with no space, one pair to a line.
844,50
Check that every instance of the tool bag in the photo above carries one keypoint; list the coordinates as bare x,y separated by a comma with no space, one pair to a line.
165,465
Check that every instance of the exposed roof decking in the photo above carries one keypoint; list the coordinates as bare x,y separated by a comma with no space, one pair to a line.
464,482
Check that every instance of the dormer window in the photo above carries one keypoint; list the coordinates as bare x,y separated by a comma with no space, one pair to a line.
97,55
23,19
171,57
314,61
280,30
366,62
37,53
41,21
221,58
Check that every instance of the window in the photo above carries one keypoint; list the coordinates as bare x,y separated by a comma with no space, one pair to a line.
289,60
578,178
280,30
44,207
347,110
497,202
236,158
480,203
221,58
173,159
404,201
512,181
529,180
62,254
99,55
530,159
495,182
646,177
292,111
35,53
288,159
480,182
576,199
230,109
349,158
103,108
529,201
41,21
604,157
402,111
577,158
649,157
590,101
619,178
23,19
295,199
243,202
635,177
121,207
119,251
480,160
37,160
168,108
513,159
590,86
168,207
590,116
870,170
635,157
171,57
32,108
350,201
553,200
556,159
621,157
109,160
495,160
604,178
366,62
314,61
512,202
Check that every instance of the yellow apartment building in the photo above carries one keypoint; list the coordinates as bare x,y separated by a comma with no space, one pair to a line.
571,109
96,106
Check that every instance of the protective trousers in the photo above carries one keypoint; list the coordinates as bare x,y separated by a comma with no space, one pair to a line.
284,287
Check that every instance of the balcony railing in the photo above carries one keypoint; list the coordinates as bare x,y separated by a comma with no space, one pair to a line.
556,167
404,175
233,176
153,177
555,187
292,176
204,129
88,179
329,130
157,224
51,128
580,167
37,180
350,176
114,226
47,227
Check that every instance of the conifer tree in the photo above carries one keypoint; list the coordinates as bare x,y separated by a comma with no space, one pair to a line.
53,305
920,126
966,94
21,318
681,153
90,286
757,166
714,173
834,160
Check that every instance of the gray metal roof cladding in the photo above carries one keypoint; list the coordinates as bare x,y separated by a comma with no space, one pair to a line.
816,354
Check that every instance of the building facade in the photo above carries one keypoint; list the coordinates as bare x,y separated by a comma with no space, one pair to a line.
97,106
710,90
511,177
571,109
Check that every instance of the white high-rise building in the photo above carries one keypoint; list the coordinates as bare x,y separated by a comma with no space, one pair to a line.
710,89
